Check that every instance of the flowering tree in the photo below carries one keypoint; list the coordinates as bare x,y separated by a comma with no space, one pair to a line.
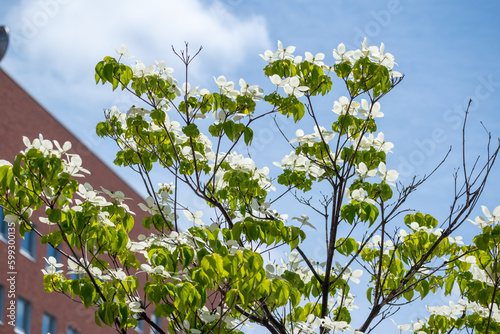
204,270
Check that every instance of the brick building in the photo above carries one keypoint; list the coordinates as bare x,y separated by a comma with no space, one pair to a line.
37,311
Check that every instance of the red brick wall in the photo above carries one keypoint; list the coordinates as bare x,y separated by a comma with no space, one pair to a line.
21,115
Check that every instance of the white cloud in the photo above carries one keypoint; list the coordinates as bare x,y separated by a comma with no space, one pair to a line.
55,45
64,39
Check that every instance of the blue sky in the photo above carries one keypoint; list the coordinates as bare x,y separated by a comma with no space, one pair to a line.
447,50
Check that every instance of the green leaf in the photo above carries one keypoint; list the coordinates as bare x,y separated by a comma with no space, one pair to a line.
87,291
54,215
231,297
408,294
298,110
164,310
153,292
248,135
229,129
369,294
191,130
481,242
348,213
450,281
385,192
424,288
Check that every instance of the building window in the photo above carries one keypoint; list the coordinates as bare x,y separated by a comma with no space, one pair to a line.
75,276
28,244
23,315
140,325
49,324
4,227
72,330
2,302
51,251
157,321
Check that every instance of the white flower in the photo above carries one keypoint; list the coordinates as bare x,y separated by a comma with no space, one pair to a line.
174,86
294,259
493,218
363,52
275,79
118,273
309,326
140,70
98,273
380,144
456,240
51,270
344,106
162,66
258,206
347,301
252,91
373,110
335,325
349,274
87,192
74,166
268,55
194,217
480,221
137,111
291,86
135,306
74,267
360,196
469,259
385,59
322,133
117,195
402,327
62,150
304,220
102,217
150,206
122,50
284,53
43,145
51,261
363,171
52,264
46,220
317,59
387,175
158,270
226,87
341,55
304,139
449,311
4,163
395,74
281,53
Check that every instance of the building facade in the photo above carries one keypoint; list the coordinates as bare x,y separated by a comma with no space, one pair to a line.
21,260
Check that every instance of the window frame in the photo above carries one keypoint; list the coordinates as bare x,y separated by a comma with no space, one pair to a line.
72,330
140,325
157,321
29,250
52,325
2,303
4,227
26,325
